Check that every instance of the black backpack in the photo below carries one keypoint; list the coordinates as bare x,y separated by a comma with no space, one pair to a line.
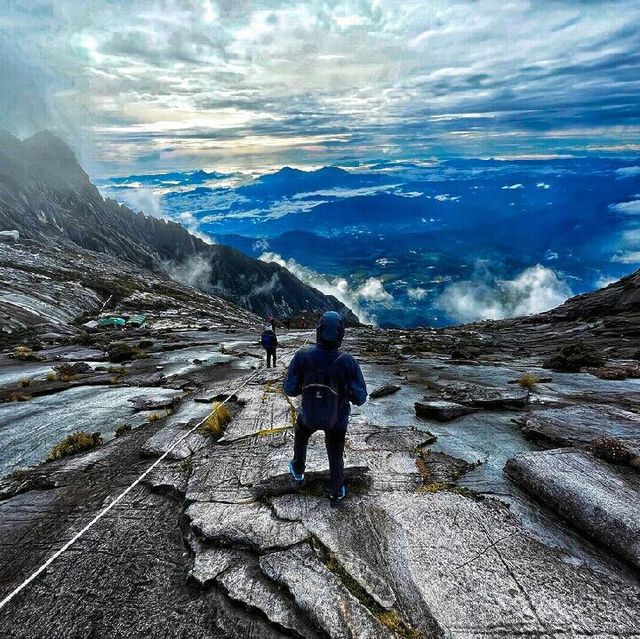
321,397
269,340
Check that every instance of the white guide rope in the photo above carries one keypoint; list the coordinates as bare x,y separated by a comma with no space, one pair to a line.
123,494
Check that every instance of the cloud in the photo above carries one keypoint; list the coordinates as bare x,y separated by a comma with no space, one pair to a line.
628,240
534,290
148,200
180,83
627,257
604,280
372,291
192,224
195,271
28,91
627,208
513,187
550,255
140,198
417,293
628,171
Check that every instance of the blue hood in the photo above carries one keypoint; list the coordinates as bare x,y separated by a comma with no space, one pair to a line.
330,330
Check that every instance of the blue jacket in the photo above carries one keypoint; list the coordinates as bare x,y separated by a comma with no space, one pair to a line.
328,339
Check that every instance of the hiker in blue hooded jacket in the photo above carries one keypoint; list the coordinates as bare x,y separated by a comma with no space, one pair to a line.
328,380
269,341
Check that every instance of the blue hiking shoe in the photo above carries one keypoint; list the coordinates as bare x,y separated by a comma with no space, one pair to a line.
297,477
335,500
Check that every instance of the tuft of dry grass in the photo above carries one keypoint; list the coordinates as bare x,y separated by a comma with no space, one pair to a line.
25,382
75,443
529,381
392,620
156,417
434,487
19,397
22,352
52,376
263,432
214,424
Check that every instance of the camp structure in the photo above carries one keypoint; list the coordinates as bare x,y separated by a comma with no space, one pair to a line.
136,321
111,322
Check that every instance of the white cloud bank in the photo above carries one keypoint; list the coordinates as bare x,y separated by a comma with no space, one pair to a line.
629,241
534,290
628,171
372,291
627,208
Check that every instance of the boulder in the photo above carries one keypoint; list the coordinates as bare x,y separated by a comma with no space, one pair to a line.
441,410
496,399
155,402
480,396
68,369
602,502
383,391
579,425
572,357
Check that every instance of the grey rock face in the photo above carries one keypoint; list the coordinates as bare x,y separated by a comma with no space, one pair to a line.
383,391
602,502
243,525
394,549
441,410
322,595
218,542
238,573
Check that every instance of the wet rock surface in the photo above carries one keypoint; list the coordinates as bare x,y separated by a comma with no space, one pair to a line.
597,498
434,539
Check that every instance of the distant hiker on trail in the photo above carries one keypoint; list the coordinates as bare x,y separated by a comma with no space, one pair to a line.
269,342
328,380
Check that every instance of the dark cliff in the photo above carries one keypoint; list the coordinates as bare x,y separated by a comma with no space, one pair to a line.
46,195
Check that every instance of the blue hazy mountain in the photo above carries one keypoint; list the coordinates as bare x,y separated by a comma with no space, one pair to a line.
422,242
288,182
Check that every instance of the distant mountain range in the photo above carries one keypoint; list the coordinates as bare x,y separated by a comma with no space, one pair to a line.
423,243
46,196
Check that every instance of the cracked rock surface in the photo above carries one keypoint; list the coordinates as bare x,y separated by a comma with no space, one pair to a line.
217,541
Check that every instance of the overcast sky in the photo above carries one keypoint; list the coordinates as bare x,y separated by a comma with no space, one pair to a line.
150,85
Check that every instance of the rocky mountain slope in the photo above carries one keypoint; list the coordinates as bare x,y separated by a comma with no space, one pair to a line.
48,198
483,500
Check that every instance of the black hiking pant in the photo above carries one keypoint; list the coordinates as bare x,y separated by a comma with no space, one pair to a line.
271,356
334,441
